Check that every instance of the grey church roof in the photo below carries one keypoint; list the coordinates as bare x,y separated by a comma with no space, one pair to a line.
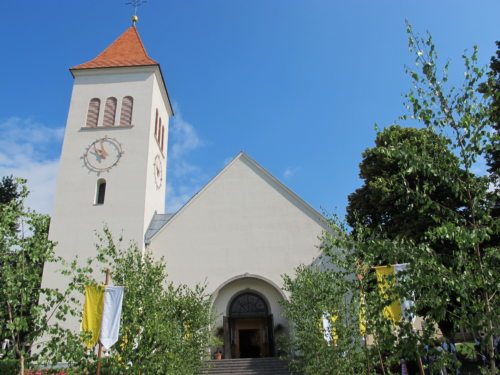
157,222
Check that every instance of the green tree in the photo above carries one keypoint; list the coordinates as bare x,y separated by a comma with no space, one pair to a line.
443,222
491,90
9,189
24,248
463,116
165,328
409,191
344,285
404,158
315,291
12,194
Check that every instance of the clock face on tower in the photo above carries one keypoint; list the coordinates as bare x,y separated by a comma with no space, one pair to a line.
158,171
102,154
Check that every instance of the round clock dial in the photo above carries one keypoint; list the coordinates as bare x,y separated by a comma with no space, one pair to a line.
158,171
102,154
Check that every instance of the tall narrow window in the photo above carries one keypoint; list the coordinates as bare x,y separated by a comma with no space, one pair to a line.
110,112
126,113
93,112
101,191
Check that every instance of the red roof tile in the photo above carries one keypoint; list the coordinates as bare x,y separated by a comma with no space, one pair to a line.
127,50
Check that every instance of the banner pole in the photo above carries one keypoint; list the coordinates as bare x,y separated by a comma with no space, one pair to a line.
99,352
420,365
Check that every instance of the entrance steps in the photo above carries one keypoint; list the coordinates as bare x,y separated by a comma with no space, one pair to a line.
247,366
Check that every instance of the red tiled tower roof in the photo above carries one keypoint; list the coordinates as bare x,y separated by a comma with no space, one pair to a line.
127,50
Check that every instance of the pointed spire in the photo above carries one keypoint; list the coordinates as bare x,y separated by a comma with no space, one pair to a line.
127,50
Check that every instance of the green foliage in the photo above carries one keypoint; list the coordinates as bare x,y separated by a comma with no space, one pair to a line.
10,189
28,311
491,90
405,163
165,328
464,117
344,285
422,204
314,292
467,350
9,366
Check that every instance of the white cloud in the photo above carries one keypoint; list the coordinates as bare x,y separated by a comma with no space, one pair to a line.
26,150
179,194
184,136
289,172
184,177
181,168
31,150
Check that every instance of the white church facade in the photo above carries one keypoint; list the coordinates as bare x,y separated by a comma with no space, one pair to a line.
239,234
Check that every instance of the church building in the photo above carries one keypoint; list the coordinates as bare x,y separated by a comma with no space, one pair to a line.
239,234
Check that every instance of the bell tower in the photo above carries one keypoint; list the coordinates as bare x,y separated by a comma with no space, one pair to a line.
114,156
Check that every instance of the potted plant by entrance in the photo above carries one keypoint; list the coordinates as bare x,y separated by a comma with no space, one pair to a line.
217,342
218,355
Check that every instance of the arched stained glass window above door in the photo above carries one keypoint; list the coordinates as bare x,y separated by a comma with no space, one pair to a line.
248,304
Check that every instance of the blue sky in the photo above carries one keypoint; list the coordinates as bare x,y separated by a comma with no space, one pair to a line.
298,85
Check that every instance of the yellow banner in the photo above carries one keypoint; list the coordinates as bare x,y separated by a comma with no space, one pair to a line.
362,314
386,279
92,312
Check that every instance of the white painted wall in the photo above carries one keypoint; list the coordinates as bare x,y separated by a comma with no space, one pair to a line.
243,221
131,194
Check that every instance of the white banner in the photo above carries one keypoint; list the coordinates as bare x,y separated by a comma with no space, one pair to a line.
111,315
327,327
407,304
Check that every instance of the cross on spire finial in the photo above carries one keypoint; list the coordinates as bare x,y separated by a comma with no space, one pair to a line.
136,4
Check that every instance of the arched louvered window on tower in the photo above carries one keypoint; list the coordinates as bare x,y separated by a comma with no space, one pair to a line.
110,112
162,137
126,113
158,137
156,125
93,112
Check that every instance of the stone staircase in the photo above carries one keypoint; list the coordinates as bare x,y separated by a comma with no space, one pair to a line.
247,366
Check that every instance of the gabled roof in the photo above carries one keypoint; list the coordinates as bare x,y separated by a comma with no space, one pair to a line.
160,221
157,222
127,50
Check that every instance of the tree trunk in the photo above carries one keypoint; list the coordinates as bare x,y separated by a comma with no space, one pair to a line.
490,345
21,363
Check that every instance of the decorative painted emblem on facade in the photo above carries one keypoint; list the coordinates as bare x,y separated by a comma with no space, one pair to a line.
158,171
102,154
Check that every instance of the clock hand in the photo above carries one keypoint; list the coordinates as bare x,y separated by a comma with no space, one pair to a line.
103,151
97,152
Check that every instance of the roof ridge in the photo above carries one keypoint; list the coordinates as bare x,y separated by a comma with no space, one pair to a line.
140,40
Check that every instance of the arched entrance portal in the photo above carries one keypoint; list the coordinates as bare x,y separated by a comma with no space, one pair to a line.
248,328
